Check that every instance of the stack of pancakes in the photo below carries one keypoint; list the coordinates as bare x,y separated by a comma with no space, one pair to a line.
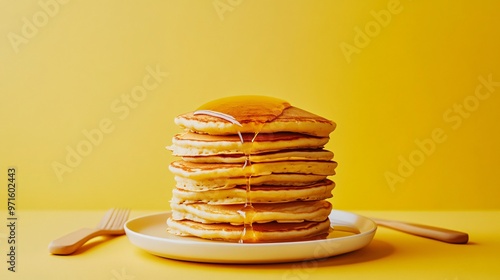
252,169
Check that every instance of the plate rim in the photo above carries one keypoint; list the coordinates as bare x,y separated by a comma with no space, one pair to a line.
134,234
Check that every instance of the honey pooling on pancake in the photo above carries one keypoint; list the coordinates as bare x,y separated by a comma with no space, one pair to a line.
248,108
252,169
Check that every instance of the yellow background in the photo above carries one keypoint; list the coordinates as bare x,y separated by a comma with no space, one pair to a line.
77,58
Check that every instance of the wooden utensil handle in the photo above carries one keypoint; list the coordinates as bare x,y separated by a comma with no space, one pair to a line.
70,242
441,234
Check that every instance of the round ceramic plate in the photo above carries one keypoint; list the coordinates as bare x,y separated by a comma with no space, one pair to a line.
351,232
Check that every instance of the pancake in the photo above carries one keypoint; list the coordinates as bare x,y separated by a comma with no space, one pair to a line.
288,180
318,154
251,114
257,194
289,212
203,171
265,232
196,144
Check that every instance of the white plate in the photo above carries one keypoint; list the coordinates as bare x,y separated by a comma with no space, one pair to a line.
149,233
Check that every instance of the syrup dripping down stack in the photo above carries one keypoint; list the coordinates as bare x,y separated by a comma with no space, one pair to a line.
251,169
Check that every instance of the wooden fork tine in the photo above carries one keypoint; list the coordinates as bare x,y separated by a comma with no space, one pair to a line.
121,218
106,219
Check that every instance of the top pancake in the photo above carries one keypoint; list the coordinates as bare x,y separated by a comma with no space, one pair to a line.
254,114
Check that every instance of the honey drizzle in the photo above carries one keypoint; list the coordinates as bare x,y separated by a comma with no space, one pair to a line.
247,212
226,117
216,114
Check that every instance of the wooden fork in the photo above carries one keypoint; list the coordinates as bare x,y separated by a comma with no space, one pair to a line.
111,224
440,234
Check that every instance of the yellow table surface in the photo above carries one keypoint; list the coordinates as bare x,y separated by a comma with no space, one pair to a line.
391,255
